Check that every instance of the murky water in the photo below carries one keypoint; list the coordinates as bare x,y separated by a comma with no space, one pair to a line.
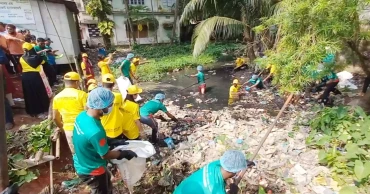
183,90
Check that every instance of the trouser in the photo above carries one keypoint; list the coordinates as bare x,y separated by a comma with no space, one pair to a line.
69,136
366,84
17,65
56,69
330,87
148,120
131,81
49,72
100,184
8,112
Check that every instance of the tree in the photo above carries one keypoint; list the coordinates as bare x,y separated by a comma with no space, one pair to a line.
175,21
308,30
129,20
100,9
226,19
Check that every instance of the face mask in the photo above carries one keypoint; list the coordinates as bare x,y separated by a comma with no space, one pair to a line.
138,98
109,111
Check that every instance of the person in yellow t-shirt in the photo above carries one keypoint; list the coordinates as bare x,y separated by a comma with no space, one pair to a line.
67,104
272,72
234,91
112,122
104,64
239,62
132,128
133,68
91,87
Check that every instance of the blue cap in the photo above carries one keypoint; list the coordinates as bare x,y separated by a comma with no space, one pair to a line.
159,96
233,161
200,68
130,56
100,98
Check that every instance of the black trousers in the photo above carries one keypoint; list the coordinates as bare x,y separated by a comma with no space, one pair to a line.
100,184
17,65
366,84
50,73
330,87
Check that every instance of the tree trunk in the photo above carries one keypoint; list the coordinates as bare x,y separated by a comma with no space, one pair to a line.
249,39
107,42
175,21
130,21
155,24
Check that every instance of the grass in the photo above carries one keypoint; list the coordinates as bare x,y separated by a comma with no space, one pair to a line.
166,58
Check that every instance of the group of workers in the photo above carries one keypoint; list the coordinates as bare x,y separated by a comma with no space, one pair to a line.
329,81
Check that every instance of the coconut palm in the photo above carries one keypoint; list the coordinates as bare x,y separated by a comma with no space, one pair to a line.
226,19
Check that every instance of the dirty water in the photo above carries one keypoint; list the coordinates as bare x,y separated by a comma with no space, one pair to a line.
182,90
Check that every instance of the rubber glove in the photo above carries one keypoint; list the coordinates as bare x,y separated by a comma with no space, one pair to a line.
128,154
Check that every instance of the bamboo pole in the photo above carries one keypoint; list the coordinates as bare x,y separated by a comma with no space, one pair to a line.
242,173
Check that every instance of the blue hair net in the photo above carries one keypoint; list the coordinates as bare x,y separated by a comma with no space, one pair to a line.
130,56
233,161
200,68
100,98
159,96
254,76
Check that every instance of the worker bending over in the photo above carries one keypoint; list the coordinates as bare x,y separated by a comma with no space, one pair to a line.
90,142
212,177
67,104
255,81
148,111
272,72
132,128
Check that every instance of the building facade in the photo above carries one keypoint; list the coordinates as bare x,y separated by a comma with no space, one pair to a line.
143,23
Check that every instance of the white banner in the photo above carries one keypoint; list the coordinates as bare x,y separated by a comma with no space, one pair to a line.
16,12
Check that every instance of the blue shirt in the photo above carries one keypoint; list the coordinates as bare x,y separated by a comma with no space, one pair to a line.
51,57
257,81
102,52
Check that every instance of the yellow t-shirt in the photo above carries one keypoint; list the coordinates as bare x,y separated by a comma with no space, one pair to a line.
28,68
239,62
133,68
234,91
69,102
272,68
130,115
112,122
104,67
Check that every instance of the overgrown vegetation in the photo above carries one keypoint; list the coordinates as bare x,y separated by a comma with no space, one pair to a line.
39,138
166,58
343,136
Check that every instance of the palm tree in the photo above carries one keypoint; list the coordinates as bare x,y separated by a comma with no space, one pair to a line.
226,19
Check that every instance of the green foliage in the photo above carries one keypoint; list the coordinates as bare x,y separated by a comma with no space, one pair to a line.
16,175
305,28
165,58
106,27
343,136
39,138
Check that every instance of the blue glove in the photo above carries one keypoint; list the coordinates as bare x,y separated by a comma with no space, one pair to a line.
247,88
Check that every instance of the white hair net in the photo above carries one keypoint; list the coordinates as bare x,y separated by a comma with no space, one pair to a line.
233,161
254,76
100,98
159,96
130,56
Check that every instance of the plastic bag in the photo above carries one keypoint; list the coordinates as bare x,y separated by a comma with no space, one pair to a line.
123,83
344,80
132,170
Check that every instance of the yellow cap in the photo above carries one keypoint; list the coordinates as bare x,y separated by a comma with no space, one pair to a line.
133,89
108,78
135,60
84,55
92,81
72,76
27,46
91,87
235,81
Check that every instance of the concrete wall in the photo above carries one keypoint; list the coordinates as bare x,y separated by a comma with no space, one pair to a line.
64,25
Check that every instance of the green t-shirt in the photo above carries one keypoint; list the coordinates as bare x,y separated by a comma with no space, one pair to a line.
200,77
152,107
43,54
257,81
90,143
126,68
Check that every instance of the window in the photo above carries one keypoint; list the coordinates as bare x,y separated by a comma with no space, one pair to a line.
144,33
136,2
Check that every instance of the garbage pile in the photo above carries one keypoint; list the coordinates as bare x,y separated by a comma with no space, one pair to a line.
284,164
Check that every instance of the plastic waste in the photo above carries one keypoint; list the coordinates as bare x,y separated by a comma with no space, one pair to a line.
132,170
123,83
247,88
169,142
344,80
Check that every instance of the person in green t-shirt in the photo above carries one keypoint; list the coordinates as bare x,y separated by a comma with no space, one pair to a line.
126,65
201,79
255,81
91,145
148,111
331,81
43,50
